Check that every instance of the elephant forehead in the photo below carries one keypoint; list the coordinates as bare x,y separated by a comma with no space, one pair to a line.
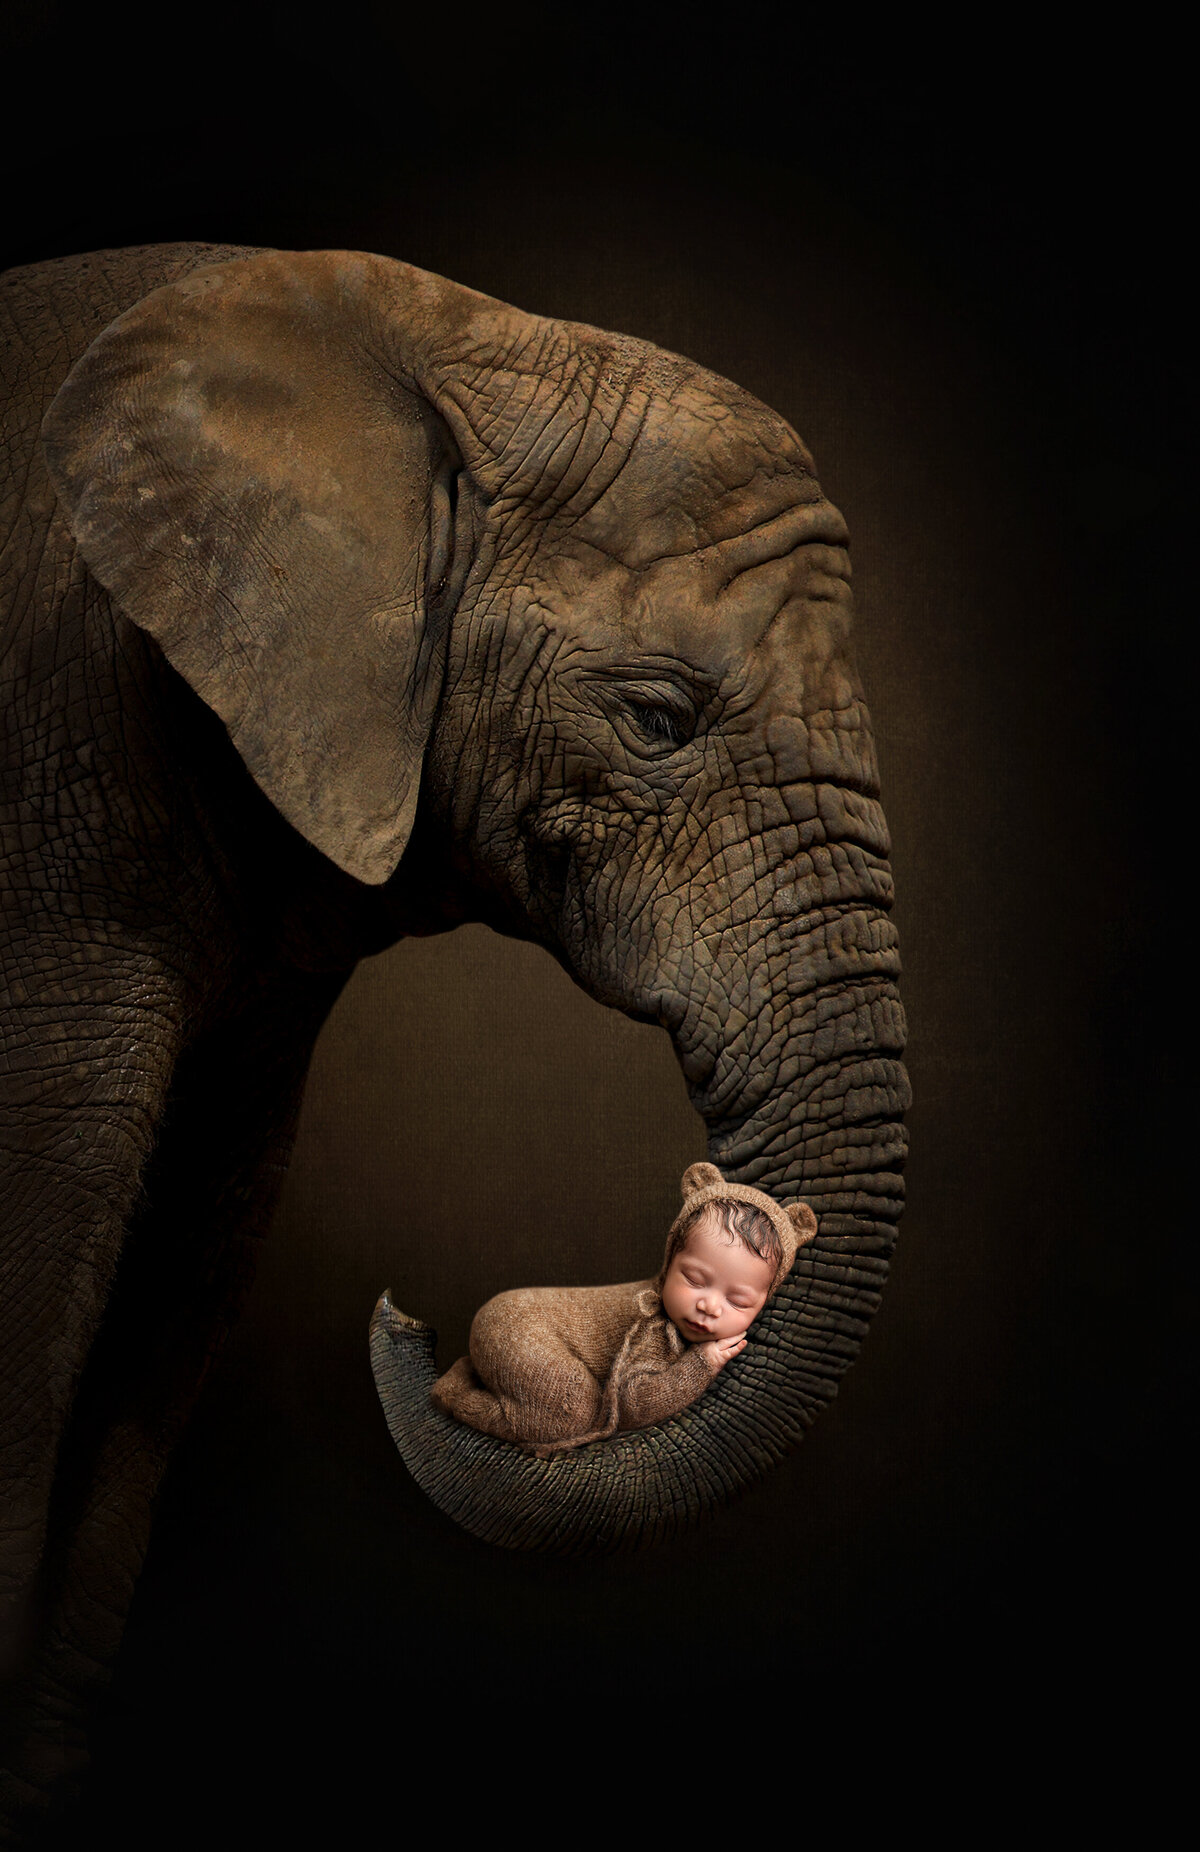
694,477
712,441
780,593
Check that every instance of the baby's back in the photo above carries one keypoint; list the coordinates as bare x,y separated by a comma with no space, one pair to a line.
537,1328
560,1365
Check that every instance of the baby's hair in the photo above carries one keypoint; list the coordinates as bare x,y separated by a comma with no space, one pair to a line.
740,1222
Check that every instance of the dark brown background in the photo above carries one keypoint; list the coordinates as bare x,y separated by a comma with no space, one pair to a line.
957,283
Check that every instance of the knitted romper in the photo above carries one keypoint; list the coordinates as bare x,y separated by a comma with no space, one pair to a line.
551,1367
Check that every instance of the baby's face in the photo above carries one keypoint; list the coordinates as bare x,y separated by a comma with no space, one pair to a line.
715,1287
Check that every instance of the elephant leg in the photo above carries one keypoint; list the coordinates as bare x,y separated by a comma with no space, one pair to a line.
81,1096
80,1100
187,1259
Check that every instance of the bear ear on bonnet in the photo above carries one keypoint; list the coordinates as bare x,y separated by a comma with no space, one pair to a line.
699,1177
804,1221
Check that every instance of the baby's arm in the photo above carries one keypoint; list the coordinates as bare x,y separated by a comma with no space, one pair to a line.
656,1397
720,1350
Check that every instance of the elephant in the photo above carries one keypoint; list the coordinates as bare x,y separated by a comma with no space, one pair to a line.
344,603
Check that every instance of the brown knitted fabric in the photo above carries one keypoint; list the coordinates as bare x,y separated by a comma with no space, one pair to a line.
552,1367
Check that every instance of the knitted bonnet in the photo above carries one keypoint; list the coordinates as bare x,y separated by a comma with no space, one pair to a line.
795,1223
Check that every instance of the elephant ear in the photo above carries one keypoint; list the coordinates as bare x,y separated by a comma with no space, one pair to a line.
248,470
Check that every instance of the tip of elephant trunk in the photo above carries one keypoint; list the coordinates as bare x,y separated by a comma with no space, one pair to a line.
388,1317
402,1362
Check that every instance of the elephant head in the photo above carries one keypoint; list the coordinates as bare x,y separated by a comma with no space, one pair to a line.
573,615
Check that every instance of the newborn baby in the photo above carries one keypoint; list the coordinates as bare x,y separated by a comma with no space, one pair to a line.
551,1367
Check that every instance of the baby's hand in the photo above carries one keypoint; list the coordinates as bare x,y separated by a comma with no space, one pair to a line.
720,1350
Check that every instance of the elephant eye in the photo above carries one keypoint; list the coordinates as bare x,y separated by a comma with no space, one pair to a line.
661,722
658,722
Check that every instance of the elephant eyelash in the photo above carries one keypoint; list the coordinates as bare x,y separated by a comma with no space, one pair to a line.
660,722
655,709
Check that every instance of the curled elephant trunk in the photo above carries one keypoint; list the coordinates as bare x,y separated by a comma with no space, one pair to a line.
829,1131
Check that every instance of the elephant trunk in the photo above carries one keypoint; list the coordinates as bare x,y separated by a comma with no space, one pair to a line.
820,1118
